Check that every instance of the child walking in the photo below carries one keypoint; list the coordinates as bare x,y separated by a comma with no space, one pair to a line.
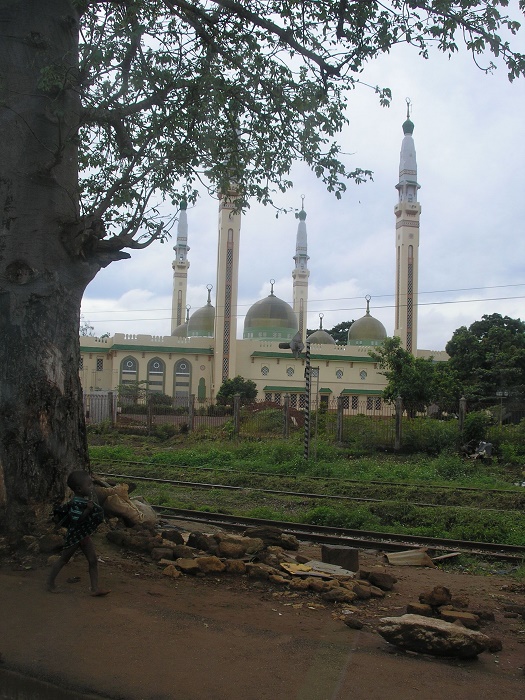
82,515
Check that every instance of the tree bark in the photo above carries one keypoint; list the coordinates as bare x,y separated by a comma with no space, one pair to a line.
43,272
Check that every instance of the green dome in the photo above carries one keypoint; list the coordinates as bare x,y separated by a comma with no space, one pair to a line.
270,319
202,322
181,331
320,337
366,331
408,127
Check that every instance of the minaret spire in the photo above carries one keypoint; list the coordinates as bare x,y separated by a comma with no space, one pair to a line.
180,269
301,273
407,212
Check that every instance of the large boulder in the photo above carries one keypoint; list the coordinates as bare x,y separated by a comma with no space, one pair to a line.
430,636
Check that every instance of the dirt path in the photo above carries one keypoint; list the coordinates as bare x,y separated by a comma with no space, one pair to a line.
231,639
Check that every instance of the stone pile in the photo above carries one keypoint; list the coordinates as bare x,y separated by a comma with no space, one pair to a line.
440,624
258,554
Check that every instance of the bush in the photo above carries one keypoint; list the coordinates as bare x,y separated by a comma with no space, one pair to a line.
476,426
429,435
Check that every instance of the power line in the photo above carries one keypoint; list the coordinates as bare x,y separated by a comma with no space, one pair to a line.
323,301
358,308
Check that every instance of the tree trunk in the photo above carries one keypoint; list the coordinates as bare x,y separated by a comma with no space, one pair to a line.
42,278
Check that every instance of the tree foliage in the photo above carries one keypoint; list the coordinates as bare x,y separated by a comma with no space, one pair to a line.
176,93
419,381
489,357
112,111
238,385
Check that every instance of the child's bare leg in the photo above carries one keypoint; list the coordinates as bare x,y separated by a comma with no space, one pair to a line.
59,565
88,549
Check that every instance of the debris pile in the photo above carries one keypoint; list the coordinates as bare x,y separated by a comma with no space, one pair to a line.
440,624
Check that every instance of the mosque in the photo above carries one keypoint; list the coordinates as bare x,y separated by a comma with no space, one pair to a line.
203,349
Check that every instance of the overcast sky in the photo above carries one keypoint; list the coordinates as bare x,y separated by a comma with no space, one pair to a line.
470,143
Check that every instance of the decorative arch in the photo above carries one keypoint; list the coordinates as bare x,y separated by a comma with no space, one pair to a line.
182,381
156,375
129,370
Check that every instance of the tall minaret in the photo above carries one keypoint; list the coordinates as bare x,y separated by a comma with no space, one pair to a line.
227,289
180,269
407,212
300,274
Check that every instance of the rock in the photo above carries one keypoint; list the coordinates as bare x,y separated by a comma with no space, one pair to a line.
173,536
52,559
468,619
361,591
232,550
199,540
118,537
187,566
346,557
339,595
319,586
261,571
485,615
271,535
353,622
380,579
299,584
289,542
376,592
210,565
251,545
460,602
429,636
171,571
420,609
50,543
235,566
158,553
277,578
181,551
436,597
515,608
495,645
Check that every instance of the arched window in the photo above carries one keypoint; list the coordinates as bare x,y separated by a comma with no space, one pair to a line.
129,370
156,375
182,382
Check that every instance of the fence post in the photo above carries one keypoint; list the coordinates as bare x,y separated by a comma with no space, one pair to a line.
149,416
462,414
111,408
191,413
339,429
399,416
236,414
286,416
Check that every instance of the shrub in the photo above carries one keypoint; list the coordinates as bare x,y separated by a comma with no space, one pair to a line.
476,426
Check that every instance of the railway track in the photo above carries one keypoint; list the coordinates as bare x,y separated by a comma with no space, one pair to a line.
353,538
307,477
281,492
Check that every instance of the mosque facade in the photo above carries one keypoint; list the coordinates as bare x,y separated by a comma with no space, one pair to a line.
203,349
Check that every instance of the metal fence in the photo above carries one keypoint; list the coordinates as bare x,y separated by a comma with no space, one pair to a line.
360,422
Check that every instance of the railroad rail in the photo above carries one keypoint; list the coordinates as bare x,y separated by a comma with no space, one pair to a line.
307,477
279,492
321,534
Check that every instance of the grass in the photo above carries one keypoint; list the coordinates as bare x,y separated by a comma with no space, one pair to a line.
235,463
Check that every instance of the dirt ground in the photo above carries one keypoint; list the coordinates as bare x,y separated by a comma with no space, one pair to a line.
227,638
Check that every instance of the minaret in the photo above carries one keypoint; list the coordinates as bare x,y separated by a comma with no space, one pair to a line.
180,269
407,212
301,273
227,289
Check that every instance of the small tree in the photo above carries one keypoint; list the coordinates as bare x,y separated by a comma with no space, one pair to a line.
238,385
419,381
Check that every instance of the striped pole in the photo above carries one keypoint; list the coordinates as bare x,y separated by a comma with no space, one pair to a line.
307,404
